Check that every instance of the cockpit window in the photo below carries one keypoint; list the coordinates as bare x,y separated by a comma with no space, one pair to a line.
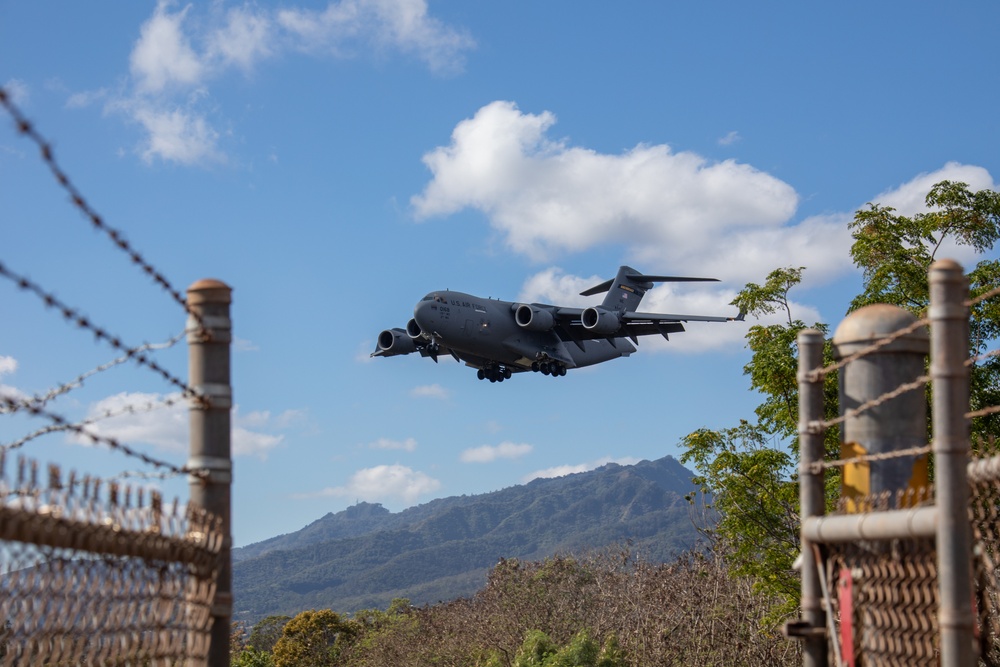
430,297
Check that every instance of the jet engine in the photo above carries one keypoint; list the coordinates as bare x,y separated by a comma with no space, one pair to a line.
395,341
600,321
534,318
413,329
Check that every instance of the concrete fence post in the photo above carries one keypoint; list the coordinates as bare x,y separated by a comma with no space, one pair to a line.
209,342
881,425
895,424
949,318
811,492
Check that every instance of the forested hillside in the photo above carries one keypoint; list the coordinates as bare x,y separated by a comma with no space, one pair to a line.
365,556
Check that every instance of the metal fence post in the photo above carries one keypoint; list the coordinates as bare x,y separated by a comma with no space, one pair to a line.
209,341
949,318
811,491
892,425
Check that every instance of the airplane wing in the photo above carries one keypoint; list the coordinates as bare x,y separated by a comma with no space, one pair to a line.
638,318
569,324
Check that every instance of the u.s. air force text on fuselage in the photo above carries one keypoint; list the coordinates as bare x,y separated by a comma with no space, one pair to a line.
500,338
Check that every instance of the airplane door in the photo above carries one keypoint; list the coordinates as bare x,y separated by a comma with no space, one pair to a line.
470,328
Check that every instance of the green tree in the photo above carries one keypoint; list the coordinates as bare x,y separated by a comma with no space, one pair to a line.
251,657
266,633
315,638
749,471
895,253
535,651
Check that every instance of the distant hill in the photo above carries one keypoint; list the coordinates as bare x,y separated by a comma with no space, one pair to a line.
365,556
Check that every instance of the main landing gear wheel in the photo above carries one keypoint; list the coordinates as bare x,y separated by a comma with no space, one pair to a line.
553,368
494,373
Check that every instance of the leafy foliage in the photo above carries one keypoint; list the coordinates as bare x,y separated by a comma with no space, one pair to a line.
316,637
265,634
895,253
749,470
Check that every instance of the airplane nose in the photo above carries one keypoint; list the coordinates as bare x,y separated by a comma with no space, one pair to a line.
425,313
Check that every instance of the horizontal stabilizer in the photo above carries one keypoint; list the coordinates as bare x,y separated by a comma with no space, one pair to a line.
639,278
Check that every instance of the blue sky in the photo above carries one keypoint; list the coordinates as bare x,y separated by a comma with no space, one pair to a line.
334,162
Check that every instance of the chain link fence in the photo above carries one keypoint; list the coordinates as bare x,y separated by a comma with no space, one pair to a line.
98,573
903,572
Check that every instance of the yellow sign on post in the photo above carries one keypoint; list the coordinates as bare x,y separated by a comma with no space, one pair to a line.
856,487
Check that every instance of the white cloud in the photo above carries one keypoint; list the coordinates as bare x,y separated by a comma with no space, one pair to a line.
140,418
145,418
400,24
546,196
430,391
407,445
562,471
163,55
489,453
8,365
674,212
18,91
385,482
179,52
177,135
908,198
244,39
730,138
244,345
86,98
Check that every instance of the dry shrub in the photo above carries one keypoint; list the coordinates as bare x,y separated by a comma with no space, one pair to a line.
688,612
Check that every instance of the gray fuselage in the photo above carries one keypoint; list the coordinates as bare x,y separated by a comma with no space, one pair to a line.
484,332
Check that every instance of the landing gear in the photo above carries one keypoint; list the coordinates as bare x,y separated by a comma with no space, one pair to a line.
549,367
494,373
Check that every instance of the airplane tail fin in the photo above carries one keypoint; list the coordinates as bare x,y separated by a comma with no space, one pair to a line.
626,290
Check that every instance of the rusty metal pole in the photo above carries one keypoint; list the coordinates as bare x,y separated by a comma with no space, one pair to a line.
949,318
899,423
209,342
811,491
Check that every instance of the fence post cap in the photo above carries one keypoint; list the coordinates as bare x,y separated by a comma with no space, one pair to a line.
209,290
946,265
872,323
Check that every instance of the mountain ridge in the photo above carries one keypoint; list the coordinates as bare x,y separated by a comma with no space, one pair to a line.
365,555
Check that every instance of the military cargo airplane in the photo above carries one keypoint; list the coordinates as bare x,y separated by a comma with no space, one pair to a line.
500,338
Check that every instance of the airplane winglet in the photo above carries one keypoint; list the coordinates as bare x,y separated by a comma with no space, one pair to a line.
741,317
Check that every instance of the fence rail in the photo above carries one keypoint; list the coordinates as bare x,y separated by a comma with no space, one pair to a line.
98,573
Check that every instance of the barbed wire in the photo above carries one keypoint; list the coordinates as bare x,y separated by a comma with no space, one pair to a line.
148,406
113,443
983,412
875,402
75,317
818,466
139,474
982,297
26,128
77,382
819,373
971,361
